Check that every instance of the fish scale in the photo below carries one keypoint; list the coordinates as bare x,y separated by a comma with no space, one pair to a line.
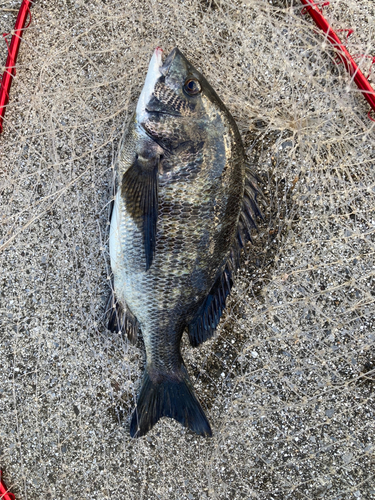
176,231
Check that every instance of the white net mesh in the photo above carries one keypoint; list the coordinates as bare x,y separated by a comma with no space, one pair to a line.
288,381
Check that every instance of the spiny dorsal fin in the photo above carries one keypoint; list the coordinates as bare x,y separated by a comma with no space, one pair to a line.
250,209
139,189
209,314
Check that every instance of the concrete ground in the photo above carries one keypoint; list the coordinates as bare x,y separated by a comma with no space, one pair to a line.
288,381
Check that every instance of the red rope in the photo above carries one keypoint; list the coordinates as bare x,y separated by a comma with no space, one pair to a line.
10,65
352,68
4,493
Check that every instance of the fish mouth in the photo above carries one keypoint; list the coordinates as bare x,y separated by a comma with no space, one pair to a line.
157,112
165,67
148,106
153,74
152,107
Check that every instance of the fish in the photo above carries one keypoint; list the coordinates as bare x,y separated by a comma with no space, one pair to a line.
185,206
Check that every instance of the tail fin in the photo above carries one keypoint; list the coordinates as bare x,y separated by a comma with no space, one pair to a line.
172,396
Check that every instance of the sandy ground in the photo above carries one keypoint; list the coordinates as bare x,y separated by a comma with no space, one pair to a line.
288,381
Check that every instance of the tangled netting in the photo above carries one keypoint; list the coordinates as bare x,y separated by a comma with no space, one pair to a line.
288,381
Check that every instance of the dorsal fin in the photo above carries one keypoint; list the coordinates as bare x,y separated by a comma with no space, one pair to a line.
139,189
209,314
208,317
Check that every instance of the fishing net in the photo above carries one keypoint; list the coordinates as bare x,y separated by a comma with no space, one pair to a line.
288,380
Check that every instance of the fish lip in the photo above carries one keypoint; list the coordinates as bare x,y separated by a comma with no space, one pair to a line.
165,67
153,74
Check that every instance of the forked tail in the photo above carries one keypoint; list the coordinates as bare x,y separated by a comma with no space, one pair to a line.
168,396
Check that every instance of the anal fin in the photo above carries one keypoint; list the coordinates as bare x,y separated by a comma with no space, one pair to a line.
121,319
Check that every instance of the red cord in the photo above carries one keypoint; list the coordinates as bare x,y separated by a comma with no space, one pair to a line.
365,56
352,68
350,31
4,493
10,65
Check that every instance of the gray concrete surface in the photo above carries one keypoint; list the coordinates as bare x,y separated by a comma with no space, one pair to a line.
288,381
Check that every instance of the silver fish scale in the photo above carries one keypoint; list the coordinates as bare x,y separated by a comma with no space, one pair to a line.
186,260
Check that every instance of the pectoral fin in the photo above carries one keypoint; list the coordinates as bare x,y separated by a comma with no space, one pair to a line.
140,191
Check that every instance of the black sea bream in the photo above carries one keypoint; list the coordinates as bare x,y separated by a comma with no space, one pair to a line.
185,205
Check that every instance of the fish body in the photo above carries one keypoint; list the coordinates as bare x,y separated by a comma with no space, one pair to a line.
185,204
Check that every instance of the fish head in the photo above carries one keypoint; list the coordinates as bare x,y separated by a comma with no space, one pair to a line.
177,105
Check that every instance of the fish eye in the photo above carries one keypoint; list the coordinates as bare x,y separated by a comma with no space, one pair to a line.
192,86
